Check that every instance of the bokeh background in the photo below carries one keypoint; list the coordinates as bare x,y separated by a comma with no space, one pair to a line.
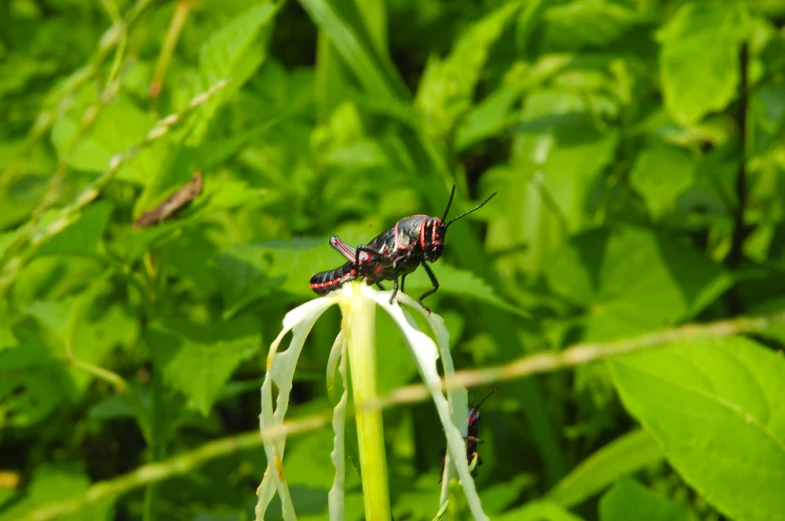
636,147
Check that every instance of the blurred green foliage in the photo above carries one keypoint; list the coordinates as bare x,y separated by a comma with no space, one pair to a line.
637,147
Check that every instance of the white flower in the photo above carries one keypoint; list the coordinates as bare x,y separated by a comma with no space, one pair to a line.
357,340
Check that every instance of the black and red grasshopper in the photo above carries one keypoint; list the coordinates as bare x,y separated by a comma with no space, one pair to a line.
396,252
472,441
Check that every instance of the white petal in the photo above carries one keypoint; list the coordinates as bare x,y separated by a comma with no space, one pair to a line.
336,496
425,354
280,370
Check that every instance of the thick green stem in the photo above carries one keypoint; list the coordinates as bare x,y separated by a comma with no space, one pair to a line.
360,326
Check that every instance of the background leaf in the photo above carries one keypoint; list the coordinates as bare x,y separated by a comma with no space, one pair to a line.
624,455
199,359
629,499
713,30
714,407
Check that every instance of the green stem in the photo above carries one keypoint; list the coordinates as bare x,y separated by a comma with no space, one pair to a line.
156,445
360,327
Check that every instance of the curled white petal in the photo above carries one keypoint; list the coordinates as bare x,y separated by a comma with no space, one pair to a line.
425,354
280,371
335,497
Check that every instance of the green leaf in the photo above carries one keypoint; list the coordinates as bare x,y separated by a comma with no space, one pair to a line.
82,236
767,106
108,136
179,256
562,152
447,87
230,54
499,496
715,407
624,455
539,511
32,384
630,500
52,315
286,264
459,282
198,359
111,408
585,23
308,461
52,484
132,246
374,71
487,118
85,328
7,337
632,280
242,278
662,173
699,57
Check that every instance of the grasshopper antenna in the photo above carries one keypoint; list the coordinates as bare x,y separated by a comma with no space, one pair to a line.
449,203
495,388
467,212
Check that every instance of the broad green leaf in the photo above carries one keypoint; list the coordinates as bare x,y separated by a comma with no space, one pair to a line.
564,150
458,282
5,242
715,408
52,315
632,280
630,500
308,461
289,264
699,57
767,106
583,23
198,359
7,337
447,86
487,118
85,328
499,496
398,366
51,484
18,70
558,157
54,278
179,256
95,330
231,54
32,384
82,236
624,455
131,246
662,173
539,511
242,278
111,408
342,142
118,126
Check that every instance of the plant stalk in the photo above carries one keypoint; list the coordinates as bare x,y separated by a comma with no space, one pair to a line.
360,325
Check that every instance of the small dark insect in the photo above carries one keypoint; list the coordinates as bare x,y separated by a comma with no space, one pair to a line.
396,252
471,436
177,201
